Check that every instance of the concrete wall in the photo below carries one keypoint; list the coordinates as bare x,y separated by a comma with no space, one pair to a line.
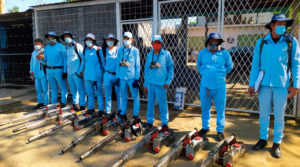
98,19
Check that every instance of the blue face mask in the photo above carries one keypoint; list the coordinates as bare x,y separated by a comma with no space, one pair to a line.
280,30
68,40
89,43
110,43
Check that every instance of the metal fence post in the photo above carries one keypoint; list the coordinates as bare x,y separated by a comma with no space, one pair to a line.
155,18
297,114
118,22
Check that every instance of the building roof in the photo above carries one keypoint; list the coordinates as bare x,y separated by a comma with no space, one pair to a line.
76,3
16,16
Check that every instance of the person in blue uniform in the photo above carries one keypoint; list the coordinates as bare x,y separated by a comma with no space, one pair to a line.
277,55
213,63
128,75
110,52
94,64
55,58
159,73
37,71
74,70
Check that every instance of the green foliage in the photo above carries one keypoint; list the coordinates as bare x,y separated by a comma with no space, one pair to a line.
14,9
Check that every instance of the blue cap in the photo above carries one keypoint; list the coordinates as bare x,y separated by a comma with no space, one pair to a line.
157,38
280,17
214,35
112,36
128,34
66,32
90,35
51,33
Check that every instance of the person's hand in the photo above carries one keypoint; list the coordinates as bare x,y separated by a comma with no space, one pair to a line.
251,91
293,92
145,90
40,56
166,86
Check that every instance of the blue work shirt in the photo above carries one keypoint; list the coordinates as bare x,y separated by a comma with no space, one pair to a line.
111,60
93,69
274,62
133,57
36,67
55,55
162,75
213,67
73,60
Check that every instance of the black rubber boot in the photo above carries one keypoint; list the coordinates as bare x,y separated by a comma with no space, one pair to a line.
91,112
136,118
75,108
82,108
164,128
275,151
259,145
123,117
62,105
148,127
220,136
38,106
101,114
203,132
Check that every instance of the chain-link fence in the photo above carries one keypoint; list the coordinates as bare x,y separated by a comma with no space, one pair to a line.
185,24
142,40
15,48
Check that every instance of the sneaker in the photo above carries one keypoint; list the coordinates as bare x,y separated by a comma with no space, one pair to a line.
203,132
220,136
275,151
259,145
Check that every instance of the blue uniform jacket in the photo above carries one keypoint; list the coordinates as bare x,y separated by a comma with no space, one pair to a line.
274,62
133,57
213,67
162,75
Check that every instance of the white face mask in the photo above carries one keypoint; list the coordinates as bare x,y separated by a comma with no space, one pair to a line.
37,47
52,40
89,43
68,40
127,43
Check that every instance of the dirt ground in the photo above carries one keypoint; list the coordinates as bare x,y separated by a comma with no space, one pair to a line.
15,152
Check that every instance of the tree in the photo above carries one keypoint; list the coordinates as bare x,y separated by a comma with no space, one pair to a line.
14,9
